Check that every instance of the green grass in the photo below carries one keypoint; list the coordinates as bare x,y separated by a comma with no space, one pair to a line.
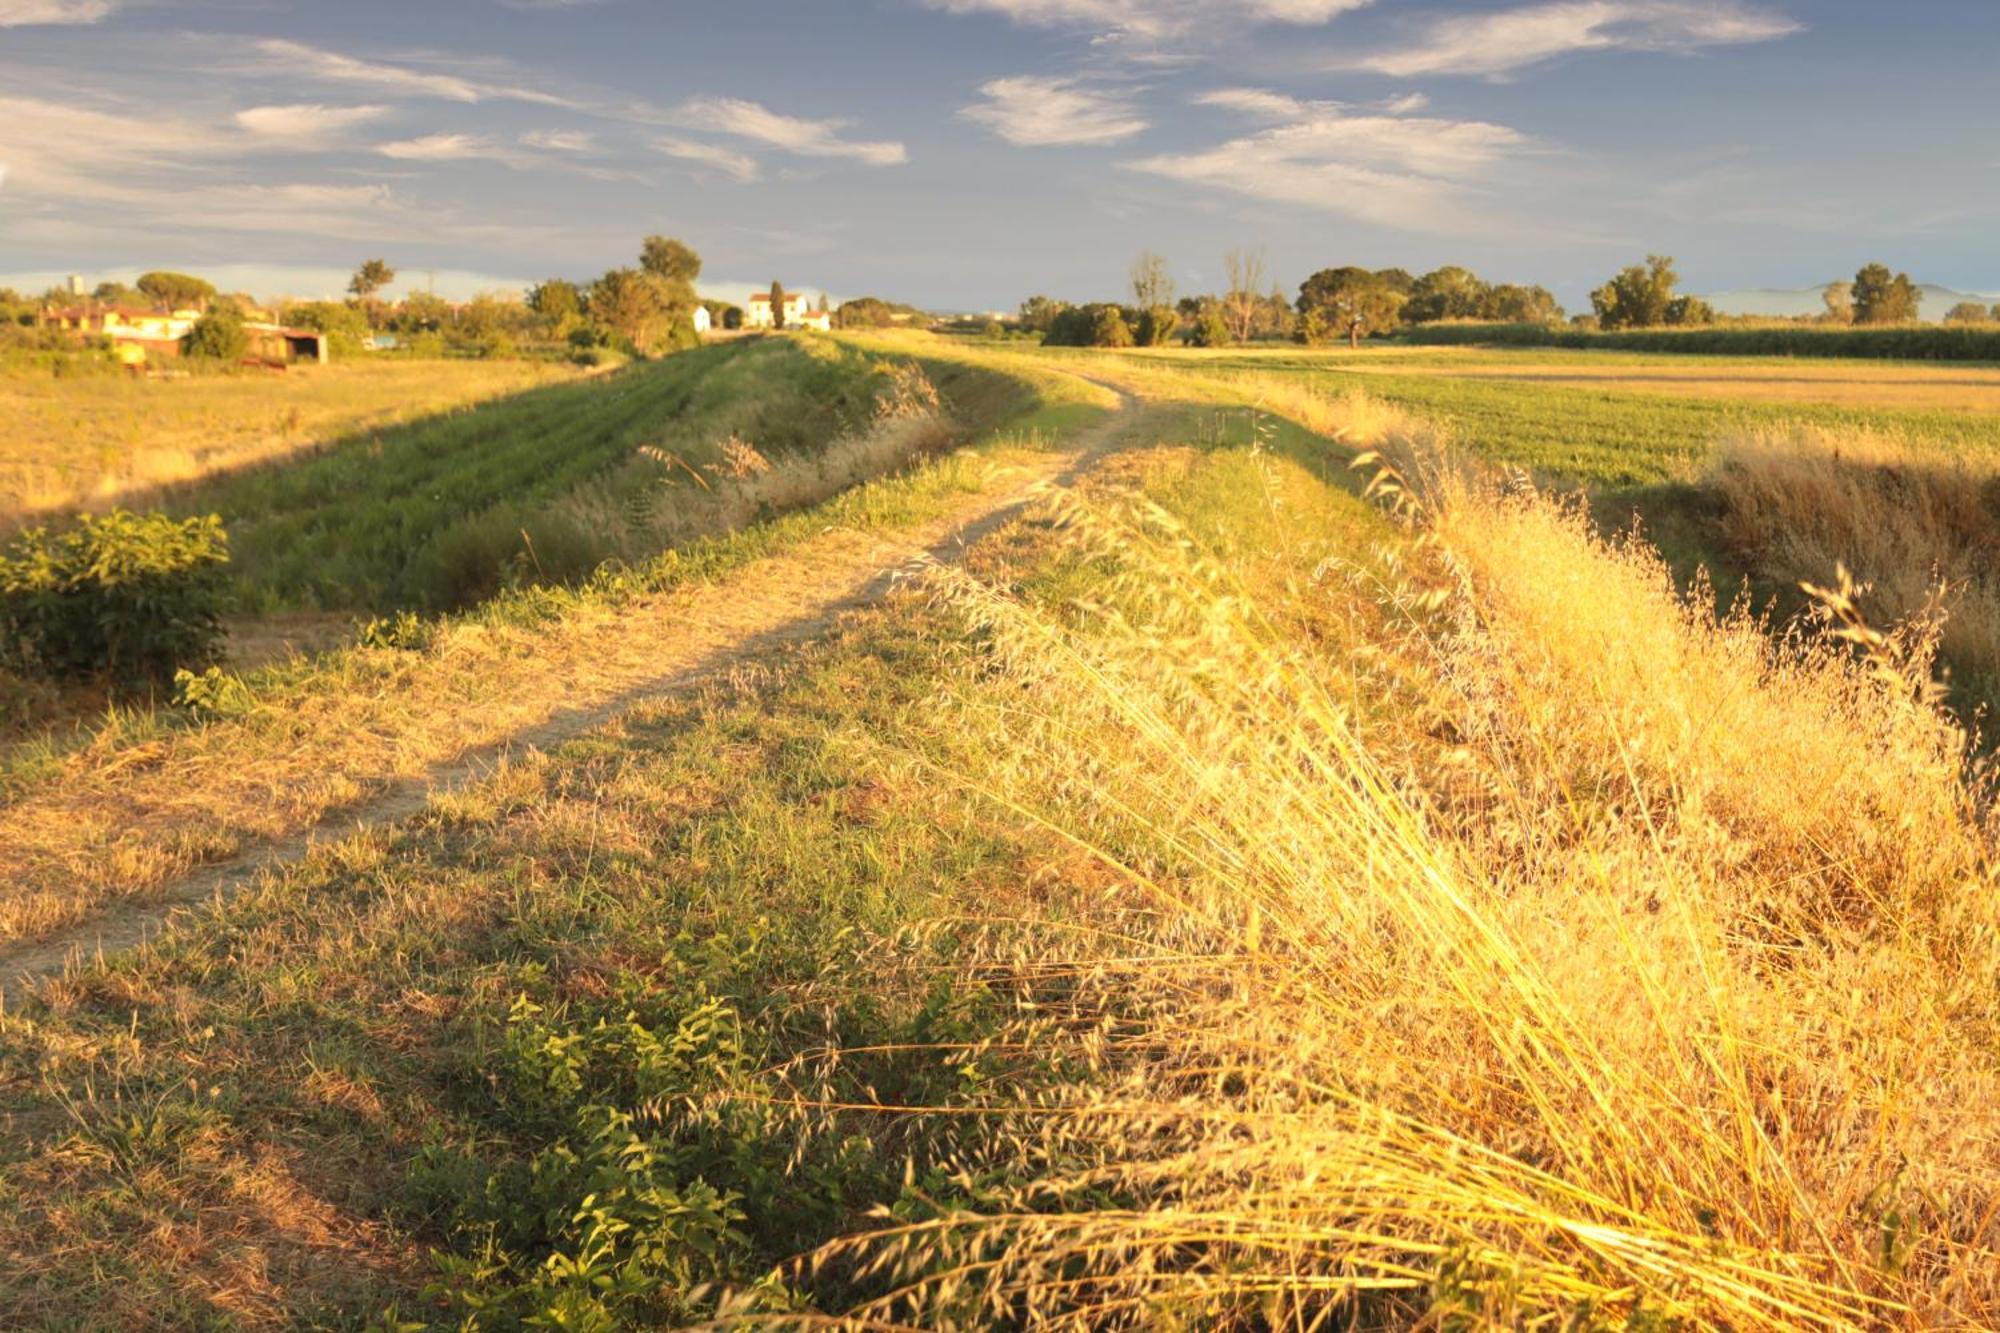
429,515
1898,343
537,1052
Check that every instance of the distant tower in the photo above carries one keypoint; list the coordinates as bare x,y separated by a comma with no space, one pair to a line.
76,284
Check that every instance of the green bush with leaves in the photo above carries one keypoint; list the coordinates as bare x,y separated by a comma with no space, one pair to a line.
135,597
217,336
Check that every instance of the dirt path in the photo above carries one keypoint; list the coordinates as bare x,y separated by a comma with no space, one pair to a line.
693,636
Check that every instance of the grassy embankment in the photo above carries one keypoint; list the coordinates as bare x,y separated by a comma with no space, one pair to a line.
1322,923
99,439
117,810
440,512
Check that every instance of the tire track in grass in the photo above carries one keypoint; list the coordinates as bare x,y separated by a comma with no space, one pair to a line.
751,616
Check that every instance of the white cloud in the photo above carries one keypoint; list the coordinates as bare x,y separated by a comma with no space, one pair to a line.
305,124
807,138
1261,104
560,141
28,13
446,148
278,56
739,166
1408,172
1495,44
1041,112
1152,18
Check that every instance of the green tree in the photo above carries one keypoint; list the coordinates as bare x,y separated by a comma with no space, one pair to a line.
1038,313
170,291
1968,312
1689,312
114,293
422,312
1352,300
778,305
1450,292
370,278
1638,297
669,260
1109,329
1521,305
558,307
1880,298
217,336
1397,280
1155,325
630,304
1839,299
865,312
1209,328
1243,270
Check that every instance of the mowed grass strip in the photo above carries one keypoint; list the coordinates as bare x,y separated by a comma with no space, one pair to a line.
122,812
428,515
99,439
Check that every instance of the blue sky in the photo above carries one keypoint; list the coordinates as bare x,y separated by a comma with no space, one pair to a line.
967,153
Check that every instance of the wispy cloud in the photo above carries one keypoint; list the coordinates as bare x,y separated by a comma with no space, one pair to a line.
1042,112
410,78
1409,172
560,141
305,124
1498,44
805,138
443,148
737,166
1152,18
29,13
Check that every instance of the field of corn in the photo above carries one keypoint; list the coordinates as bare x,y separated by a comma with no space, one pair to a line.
1317,870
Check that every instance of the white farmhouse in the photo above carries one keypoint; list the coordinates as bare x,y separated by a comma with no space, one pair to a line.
703,321
758,314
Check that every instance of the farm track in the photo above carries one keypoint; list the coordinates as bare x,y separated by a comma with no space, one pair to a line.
716,630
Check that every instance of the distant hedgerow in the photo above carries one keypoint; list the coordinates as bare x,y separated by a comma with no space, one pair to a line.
132,596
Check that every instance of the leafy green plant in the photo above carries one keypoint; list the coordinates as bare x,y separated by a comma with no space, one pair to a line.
132,596
212,695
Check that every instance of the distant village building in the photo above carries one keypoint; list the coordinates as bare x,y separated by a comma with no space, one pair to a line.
757,313
703,321
142,335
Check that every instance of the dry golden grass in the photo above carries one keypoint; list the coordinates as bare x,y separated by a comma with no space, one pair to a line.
1915,525
94,439
1523,946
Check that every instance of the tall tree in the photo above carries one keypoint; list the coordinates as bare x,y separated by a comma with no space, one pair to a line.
669,259
1968,312
1450,292
1152,284
1880,298
1349,300
175,291
1521,305
778,305
371,278
628,302
1244,272
1638,297
1839,299
558,307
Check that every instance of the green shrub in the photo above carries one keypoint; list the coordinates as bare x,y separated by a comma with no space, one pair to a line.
132,596
217,336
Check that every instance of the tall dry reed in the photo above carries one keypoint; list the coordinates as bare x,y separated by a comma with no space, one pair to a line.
1525,946
1907,520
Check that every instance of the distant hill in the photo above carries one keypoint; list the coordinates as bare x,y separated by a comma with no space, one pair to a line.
1786,302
